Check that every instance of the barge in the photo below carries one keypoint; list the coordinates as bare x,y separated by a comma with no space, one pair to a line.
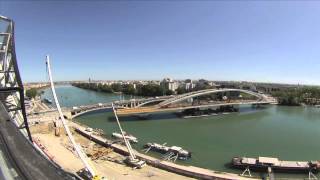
129,137
263,163
174,150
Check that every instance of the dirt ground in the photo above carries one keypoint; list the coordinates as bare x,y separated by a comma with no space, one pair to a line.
106,162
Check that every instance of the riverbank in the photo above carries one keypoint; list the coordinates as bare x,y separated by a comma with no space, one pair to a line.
108,165
191,171
299,96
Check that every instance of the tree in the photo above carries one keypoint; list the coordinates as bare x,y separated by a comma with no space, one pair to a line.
151,90
106,88
128,89
116,87
31,93
169,92
181,90
141,90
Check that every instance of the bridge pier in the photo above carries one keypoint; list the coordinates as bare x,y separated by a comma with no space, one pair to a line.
133,104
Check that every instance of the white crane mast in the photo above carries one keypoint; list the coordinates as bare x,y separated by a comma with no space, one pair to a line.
132,155
77,148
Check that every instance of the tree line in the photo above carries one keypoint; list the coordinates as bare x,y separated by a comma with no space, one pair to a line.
298,96
129,89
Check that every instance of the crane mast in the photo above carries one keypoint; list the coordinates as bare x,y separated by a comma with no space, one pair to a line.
77,148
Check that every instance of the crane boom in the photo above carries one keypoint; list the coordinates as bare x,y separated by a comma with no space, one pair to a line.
127,143
77,148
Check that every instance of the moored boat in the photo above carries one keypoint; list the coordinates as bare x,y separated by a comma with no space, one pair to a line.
263,163
129,137
175,150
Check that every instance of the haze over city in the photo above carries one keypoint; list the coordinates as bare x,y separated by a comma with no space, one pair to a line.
215,40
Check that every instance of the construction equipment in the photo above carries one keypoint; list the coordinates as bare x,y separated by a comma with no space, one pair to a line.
97,153
90,171
132,159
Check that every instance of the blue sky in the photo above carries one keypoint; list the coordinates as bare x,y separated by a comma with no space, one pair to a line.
217,40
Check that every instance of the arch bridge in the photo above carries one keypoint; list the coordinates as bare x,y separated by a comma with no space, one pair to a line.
199,99
128,104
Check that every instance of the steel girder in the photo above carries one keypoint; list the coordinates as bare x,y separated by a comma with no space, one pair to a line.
11,87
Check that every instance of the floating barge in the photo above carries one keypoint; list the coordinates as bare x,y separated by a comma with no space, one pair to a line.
129,137
263,163
179,152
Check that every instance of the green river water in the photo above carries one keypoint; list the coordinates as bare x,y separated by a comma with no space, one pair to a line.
289,133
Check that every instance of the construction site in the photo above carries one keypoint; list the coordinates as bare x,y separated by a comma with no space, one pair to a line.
107,163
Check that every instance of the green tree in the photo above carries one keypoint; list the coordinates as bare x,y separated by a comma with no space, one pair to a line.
116,87
31,93
128,89
181,90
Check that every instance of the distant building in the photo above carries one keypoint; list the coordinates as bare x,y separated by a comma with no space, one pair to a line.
189,85
248,86
156,82
169,84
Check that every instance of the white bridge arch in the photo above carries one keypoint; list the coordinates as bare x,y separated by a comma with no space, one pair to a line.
261,97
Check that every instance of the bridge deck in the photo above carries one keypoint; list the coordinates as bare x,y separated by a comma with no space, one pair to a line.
153,109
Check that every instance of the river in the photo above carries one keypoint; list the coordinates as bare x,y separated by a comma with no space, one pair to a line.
289,133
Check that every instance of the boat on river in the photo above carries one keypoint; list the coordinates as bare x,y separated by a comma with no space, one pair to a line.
48,100
263,163
177,151
129,137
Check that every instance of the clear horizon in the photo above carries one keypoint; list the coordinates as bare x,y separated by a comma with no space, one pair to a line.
272,42
173,79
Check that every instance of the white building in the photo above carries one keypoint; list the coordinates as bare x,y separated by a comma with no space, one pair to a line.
189,86
168,83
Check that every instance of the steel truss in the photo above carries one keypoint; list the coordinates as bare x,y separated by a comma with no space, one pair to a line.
11,87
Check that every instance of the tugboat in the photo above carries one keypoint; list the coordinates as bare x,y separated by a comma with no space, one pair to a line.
129,137
263,163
